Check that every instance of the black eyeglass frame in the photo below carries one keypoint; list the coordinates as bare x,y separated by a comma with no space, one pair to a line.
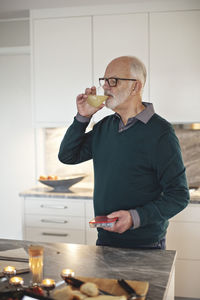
116,78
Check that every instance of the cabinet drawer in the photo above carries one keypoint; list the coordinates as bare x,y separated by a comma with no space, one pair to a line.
185,239
55,235
47,221
89,208
190,214
54,207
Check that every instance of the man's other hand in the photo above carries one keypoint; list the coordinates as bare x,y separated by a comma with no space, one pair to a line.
123,223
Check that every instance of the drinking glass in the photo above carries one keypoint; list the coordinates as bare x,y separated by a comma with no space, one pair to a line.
36,263
98,99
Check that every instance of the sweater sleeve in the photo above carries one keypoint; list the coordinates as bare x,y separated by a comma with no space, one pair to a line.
76,144
170,172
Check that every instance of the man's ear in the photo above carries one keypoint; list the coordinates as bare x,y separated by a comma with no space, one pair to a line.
137,87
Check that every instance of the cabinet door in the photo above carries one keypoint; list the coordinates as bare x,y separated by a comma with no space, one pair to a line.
187,274
61,56
184,238
119,35
183,233
175,65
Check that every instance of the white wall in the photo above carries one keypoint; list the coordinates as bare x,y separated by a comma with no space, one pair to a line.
17,161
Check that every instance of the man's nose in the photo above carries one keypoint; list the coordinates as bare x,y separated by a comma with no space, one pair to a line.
106,85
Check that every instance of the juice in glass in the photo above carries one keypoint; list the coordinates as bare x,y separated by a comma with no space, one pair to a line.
36,263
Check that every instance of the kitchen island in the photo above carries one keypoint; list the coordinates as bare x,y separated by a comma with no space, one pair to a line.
154,266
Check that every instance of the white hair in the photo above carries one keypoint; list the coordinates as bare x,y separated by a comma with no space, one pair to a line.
138,70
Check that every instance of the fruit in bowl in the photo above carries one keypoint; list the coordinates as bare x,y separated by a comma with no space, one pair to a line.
50,177
60,184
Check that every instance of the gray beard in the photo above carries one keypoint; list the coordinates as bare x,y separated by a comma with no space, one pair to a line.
113,102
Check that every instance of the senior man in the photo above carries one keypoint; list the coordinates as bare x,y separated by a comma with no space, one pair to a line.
139,174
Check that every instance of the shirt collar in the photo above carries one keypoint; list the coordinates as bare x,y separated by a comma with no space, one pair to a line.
145,115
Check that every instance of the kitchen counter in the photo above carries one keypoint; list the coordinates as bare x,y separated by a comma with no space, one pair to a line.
83,193
74,192
154,266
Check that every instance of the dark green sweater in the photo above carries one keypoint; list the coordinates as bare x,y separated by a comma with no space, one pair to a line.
140,168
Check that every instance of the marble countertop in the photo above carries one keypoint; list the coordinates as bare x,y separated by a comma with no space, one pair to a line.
47,192
154,266
82,192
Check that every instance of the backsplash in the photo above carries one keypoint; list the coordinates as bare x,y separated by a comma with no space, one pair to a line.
189,141
53,138
190,146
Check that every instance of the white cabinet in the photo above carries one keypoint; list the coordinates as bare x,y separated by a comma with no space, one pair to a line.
175,65
14,33
61,67
58,220
184,237
70,53
119,35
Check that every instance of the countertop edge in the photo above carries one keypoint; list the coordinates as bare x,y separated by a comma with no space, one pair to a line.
46,192
77,193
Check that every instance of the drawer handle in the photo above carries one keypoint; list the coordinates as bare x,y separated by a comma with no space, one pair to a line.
54,234
52,206
54,221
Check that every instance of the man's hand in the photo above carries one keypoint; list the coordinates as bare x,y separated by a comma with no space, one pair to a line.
123,223
83,107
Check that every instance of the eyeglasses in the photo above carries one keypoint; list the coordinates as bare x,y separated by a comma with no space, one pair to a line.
112,81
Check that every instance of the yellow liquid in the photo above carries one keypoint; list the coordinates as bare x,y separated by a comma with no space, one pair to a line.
96,100
36,267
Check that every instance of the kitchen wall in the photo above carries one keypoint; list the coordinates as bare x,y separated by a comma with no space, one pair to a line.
17,134
189,141
17,157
